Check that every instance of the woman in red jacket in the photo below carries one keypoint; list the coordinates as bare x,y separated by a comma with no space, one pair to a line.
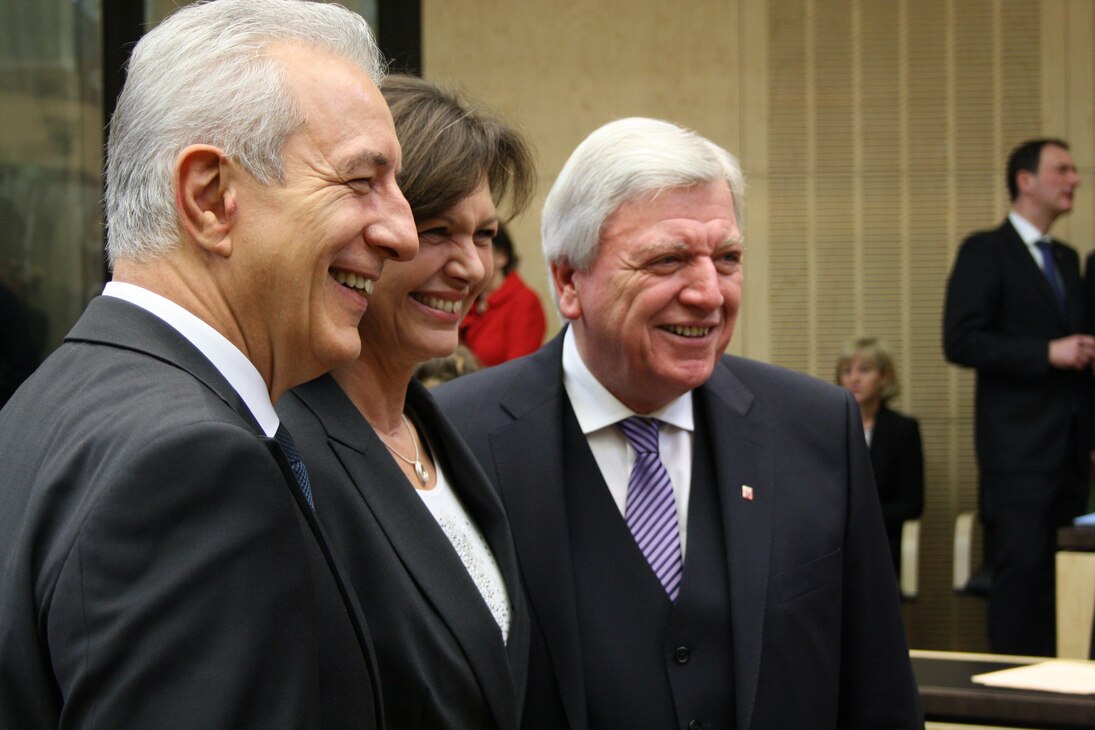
507,321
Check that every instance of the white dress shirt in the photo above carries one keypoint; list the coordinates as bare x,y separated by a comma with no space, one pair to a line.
599,411
240,372
1030,235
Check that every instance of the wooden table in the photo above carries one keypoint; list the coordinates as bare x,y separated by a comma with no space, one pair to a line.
948,695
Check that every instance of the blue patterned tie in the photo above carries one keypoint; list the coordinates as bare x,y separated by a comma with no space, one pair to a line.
293,456
1049,268
651,512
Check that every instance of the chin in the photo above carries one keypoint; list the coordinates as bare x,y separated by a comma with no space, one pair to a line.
695,372
338,352
438,350
675,385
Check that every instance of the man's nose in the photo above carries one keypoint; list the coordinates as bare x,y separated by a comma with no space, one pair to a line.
394,235
702,290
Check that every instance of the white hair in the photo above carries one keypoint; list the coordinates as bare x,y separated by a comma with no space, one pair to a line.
205,76
616,163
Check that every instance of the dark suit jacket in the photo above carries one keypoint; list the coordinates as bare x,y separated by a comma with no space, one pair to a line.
442,660
160,568
897,460
817,632
1089,288
999,319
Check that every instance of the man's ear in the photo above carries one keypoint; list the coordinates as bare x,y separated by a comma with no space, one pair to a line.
563,276
1024,179
203,199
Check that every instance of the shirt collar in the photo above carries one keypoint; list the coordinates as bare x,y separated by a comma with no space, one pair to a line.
240,372
596,408
1026,230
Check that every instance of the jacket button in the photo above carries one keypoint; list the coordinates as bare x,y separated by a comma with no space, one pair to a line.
695,725
681,654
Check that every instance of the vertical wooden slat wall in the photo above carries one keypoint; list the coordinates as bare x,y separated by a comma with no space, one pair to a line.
873,134
907,116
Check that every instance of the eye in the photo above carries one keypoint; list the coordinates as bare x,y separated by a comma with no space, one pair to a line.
361,183
729,260
436,234
668,261
484,236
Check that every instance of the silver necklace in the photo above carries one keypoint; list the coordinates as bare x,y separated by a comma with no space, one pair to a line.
419,470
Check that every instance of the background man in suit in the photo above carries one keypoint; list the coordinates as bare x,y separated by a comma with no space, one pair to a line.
1015,311
700,536
161,563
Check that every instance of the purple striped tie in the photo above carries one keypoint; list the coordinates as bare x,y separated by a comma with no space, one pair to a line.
651,512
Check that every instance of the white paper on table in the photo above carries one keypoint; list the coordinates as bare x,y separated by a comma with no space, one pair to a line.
1055,675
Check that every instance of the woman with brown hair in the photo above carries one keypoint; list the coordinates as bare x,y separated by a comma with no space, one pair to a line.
410,513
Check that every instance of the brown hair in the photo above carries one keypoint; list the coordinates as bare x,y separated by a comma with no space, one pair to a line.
440,370
872,350
448,147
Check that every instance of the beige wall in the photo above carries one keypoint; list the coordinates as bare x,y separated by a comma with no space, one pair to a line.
873,134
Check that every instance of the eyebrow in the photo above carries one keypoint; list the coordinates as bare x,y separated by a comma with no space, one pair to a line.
369,158
446,218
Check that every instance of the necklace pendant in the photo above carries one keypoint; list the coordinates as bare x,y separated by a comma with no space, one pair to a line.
421,473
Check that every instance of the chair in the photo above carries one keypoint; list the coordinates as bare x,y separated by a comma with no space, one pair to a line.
910,560
966,580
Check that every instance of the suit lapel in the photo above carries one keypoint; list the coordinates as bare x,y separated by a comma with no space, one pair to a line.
484,505
743,458
1069,266
419,541
526,455
118,323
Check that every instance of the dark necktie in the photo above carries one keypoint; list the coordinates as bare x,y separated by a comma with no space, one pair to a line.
651,511
1049,268
293,456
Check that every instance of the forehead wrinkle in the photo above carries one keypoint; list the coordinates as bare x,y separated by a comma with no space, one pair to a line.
671,244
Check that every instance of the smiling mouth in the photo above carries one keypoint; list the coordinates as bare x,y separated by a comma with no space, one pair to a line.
352,281
687,331
450,306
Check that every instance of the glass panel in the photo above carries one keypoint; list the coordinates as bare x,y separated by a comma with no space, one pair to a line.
51,239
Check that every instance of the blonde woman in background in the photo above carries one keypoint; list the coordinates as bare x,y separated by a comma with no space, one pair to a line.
867,370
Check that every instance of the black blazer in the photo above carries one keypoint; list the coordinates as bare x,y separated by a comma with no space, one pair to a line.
442,660
814,602
1089,288
897,459
999,318
160,567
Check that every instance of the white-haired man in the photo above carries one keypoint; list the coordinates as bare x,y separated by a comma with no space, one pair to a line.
162,565
700,534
